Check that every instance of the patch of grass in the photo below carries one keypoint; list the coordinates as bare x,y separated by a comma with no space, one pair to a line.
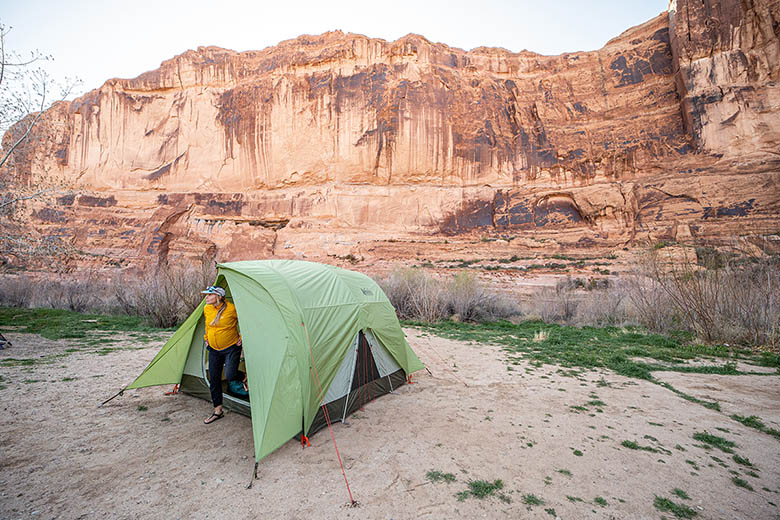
438,476
59,324
720,462
564,472
574,499
482,489
14,362
600,501
31,381
742,483
141,408
654,423
678,510
30,362
593,348
752,474
742,460
680,494
577,453
712,405
532,500
755,422
722,444
550,511
633,445
729,369
692,463
66,379
769,359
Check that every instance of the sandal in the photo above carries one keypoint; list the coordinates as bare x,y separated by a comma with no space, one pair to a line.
214,417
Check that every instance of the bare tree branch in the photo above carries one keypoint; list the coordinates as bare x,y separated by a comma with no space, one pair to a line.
5,203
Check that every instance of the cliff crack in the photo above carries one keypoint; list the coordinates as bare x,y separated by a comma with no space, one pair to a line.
673,196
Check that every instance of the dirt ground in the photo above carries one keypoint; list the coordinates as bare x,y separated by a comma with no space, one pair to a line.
147,455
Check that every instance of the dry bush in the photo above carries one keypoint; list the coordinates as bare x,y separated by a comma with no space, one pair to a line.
732,300
559,304
606,305
722,297
167,296
417,295
649,304
86,292
603,302
15,291
468,299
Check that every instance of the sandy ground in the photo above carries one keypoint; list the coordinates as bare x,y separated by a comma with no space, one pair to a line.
62,457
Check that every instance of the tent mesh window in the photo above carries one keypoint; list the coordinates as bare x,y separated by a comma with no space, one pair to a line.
366,386
365,367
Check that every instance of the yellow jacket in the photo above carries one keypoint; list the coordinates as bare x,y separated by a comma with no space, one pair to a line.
225,333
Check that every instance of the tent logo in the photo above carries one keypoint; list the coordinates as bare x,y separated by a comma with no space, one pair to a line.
366,292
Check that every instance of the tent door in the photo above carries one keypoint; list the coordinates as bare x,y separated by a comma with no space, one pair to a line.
365,360
366,372
385,363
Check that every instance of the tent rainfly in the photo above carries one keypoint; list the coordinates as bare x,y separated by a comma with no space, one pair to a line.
315,337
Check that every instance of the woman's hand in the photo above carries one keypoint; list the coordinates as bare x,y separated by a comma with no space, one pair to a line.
239,341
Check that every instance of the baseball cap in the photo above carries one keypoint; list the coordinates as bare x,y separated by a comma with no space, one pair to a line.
214,290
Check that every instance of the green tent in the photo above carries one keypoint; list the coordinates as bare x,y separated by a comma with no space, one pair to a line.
314,336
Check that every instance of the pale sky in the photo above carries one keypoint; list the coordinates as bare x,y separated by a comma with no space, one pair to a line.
98,40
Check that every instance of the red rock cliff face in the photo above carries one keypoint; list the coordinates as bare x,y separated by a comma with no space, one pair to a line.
728,64
332,144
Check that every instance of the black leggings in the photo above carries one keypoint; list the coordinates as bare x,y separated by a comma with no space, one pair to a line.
229,358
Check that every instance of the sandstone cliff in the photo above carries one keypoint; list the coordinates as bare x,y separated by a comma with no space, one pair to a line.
340,145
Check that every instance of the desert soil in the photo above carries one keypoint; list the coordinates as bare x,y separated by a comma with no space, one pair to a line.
147,455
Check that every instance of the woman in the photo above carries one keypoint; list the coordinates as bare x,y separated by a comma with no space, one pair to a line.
223,343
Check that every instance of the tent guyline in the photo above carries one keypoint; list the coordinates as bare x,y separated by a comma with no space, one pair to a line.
324,408
319,342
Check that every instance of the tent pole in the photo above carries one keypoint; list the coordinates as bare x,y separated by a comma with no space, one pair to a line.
122,391
351,377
